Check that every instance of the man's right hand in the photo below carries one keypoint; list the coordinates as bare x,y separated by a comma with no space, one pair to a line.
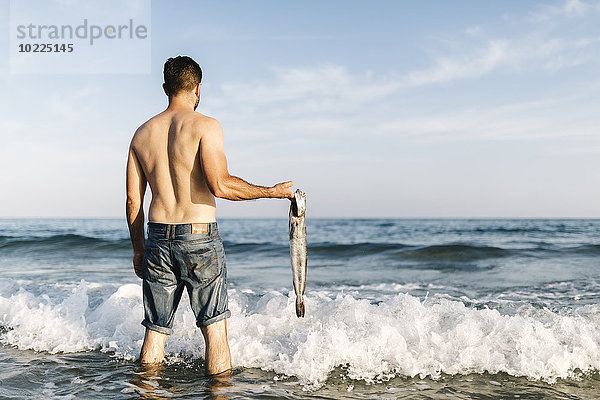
138,258
282,190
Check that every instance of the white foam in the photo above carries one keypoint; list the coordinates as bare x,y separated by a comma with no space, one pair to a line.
39,325
400,335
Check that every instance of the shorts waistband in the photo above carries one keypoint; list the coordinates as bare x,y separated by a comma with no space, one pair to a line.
170,230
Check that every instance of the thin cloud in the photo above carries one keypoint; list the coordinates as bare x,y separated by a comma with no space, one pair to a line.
533,52
570,9
323,82
451,68
329,100
332,88
567,115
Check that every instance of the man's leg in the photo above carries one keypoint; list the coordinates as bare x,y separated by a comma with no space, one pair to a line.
153,349
217,356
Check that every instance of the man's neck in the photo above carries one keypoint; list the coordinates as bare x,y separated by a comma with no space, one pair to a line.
180,103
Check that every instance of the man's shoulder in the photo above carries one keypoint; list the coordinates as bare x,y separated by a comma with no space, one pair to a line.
205,125
155,122
143,132
204,121
146,126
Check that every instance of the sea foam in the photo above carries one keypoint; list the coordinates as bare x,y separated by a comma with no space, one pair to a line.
400,335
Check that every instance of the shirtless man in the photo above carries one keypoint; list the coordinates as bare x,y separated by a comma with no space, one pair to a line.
180,154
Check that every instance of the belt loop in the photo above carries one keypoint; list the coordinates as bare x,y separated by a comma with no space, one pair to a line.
168,232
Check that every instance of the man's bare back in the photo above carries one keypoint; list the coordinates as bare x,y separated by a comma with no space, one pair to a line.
180,153
168,150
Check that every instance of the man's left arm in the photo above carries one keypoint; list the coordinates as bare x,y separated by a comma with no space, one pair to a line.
136,188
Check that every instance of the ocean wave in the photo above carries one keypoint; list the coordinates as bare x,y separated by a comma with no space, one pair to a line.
591,249
454,252
400,336
354,249
441,252
325,249
526,230
544,249
249,247
62,242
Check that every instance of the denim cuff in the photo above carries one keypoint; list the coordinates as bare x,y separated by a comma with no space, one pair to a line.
223,315
160,329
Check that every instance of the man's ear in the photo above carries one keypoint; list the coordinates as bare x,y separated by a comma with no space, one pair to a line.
165,89
198,89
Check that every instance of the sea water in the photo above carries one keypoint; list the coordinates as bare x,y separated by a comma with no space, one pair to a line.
410,309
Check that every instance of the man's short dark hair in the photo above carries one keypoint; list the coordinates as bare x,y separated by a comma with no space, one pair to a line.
181,73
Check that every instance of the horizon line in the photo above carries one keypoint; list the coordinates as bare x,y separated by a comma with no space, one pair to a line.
318,217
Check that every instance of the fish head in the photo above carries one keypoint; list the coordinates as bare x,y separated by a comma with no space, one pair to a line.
300,199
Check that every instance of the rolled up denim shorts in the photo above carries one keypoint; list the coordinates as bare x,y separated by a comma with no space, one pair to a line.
175,258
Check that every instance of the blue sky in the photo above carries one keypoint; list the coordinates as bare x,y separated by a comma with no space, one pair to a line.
380,109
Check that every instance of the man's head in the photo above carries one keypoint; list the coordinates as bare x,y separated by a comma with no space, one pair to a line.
182,76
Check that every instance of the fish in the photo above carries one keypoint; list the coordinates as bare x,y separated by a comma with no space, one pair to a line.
298,250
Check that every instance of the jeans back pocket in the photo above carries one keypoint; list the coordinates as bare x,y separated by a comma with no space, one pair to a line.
201,262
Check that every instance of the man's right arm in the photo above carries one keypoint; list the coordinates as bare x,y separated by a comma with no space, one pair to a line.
136,187
224,185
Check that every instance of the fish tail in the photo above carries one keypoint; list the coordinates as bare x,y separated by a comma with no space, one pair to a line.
299,307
